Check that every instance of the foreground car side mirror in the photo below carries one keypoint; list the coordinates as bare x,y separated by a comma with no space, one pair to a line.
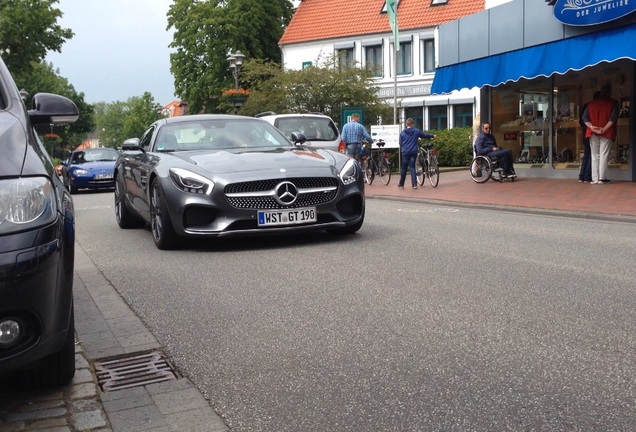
48,108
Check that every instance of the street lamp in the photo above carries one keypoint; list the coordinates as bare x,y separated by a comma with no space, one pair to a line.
236,61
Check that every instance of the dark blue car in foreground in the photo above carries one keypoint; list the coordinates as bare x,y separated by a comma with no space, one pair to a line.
37,244
90,168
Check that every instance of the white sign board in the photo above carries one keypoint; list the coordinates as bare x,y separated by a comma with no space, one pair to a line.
390,134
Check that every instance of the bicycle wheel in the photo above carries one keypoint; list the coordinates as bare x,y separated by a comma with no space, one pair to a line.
419,169
480,169
384,170
368,170
433,172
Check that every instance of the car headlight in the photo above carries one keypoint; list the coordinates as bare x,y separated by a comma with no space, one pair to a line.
26,203
79,172
349,172
191,182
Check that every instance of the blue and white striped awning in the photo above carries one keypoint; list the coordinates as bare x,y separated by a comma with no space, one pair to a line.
572,54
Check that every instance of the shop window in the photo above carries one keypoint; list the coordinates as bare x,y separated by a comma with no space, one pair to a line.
428,55
345,58
373,56
438,117
416,113
404,59
462,115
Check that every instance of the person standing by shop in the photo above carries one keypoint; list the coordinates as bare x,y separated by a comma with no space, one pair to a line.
585,175
486,145
600,117
353,133
409,147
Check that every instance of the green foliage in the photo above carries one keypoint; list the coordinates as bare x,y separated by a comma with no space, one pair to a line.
118,121
323,88
454,147
28,30
206,32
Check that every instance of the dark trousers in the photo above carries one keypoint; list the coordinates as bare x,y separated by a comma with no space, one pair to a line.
505,159
586,163
408,161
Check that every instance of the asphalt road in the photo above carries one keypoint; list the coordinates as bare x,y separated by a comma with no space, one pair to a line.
430,318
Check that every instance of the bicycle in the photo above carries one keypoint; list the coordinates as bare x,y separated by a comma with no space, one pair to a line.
372,167
426,165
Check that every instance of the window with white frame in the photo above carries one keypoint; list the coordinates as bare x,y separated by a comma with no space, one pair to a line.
438,2
404,58
373,56
345,58
428,55
462,115
438,117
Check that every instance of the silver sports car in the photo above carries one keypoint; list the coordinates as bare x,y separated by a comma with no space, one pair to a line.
224,175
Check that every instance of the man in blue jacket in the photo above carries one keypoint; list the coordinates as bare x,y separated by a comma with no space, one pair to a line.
486,145
409,147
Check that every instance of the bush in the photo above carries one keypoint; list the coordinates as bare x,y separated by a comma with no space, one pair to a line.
454,147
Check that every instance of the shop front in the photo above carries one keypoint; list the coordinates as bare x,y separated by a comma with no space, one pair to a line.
534,85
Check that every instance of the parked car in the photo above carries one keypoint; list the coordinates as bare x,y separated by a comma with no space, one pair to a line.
319,129
37,243
224,175
90,168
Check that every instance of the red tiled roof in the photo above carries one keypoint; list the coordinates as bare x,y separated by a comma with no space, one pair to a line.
327,19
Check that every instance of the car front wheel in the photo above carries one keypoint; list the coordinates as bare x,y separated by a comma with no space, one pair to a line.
162,231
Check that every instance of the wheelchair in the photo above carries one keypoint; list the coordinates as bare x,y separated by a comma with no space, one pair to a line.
484,168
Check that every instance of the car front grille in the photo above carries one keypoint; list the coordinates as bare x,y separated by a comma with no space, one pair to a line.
313,191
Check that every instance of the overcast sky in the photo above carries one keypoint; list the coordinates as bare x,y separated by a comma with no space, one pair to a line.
120,49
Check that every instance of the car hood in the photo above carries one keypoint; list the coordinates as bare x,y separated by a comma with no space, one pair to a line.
223,162
95,166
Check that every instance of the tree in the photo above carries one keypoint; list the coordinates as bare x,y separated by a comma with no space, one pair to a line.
118,121
324,88
207,31
28,30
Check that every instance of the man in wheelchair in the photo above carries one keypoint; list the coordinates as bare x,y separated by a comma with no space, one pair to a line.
486,145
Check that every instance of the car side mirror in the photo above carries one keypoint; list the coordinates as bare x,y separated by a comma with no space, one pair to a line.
131,144
298,138
48,108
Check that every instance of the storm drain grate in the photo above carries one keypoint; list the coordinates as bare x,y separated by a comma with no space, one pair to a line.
135,371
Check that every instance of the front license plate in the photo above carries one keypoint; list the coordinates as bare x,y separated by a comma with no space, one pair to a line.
103,176
286,217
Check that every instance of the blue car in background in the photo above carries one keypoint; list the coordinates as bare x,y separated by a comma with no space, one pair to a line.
90,168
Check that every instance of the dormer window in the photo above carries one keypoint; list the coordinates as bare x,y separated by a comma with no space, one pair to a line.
438,2
397,3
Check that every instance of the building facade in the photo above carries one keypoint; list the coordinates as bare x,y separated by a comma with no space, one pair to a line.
358,32
536,64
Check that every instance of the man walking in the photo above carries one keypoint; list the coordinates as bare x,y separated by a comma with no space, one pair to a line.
409,147
353,133
600,117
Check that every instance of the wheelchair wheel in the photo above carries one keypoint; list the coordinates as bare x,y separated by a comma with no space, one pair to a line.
420,170
480,169
433,172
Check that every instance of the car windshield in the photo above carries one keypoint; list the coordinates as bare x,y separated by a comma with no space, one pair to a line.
218,134
314,128
94,155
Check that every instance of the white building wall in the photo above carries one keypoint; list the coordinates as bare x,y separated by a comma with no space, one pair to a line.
413,90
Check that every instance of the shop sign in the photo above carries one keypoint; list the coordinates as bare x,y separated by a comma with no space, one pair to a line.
404,91
592,12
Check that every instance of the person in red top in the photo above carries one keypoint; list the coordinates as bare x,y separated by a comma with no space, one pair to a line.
600,117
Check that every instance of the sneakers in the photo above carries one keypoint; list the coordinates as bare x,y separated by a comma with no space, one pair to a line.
595,182
400,187
414,186
604,181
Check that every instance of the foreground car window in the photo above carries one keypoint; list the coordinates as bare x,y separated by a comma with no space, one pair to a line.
218,135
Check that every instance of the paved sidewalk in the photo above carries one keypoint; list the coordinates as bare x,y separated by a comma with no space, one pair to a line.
107,328
613,201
